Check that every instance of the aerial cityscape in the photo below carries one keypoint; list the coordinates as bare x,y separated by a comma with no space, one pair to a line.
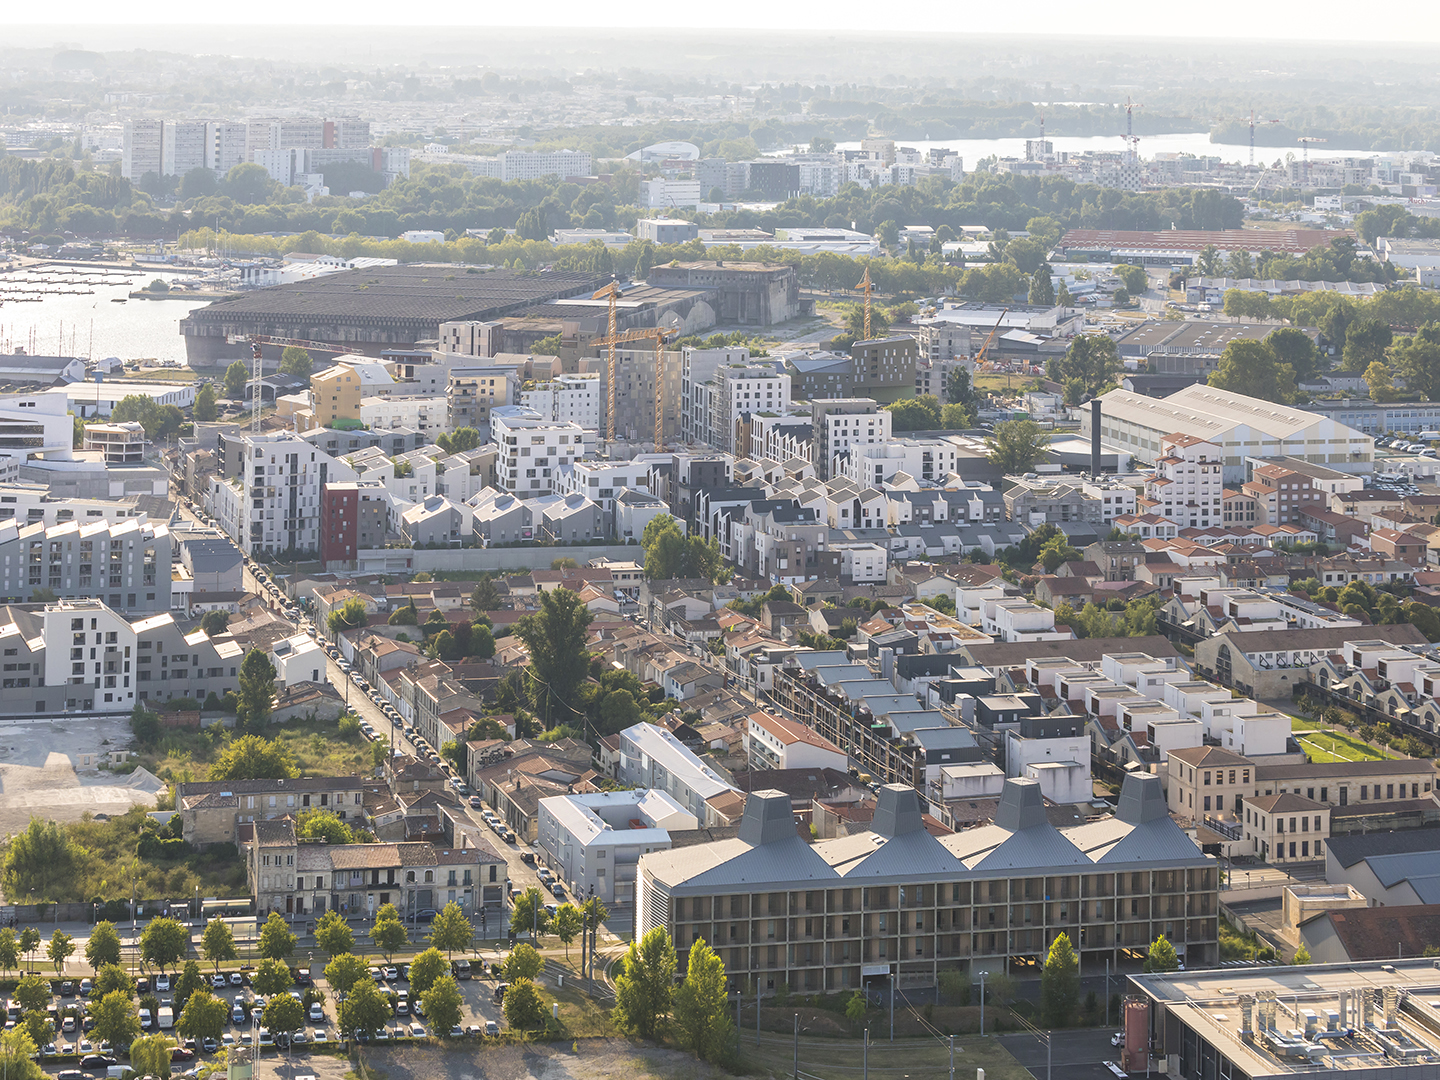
563,552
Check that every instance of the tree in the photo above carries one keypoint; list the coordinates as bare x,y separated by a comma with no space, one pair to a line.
344,972
150,1055
32,992
702,1012
426,968
1162,956
10,950
1382,385
459,440
214,623
205,409
237,377
618,710
190,980
283,1013
1208,263
1251,368
1087,369
39,860
348,616
389,934
144,725
532,225
296,361
855,1007
159,421
1417,358
1121,298
1042,286
30,939
332,932
257,693
644,986
272,977
217,944
1017,445
486,596
523,963
1063,297
102,948
524,1008
252,757
163,942
60,949
555,637
1301,957
1060,984
17,1051
276,940
528,914
365,1008
1133,278
204,1016
112,978
1365,342
915,414
248,183
451,930
1293,346
115,1019
442,1005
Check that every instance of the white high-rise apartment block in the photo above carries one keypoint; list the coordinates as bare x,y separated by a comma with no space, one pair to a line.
567,399
273,506
527,165
745,388
225,146
533,449
184,147
1188,487
845,430
142,149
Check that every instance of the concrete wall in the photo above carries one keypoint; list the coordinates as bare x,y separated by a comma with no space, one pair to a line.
401,560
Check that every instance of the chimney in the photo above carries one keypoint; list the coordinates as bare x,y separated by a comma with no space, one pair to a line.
1095,436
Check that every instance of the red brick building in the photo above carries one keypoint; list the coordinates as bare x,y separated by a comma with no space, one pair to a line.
353,517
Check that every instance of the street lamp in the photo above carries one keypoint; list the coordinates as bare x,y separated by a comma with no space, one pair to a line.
983,976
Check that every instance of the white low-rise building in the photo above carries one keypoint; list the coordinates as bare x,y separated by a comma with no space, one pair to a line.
298,659
1013,619
868,465
566,399
773,742
862,563
422,412
593,842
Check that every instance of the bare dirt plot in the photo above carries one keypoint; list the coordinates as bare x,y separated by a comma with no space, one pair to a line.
50,769
596,1059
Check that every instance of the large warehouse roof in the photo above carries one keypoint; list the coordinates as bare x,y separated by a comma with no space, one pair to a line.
432,293
1207,412
1292,241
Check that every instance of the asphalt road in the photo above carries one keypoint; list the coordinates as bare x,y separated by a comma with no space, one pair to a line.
1073,1055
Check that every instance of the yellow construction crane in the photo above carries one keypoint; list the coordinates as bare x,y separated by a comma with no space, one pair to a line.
658,334
985,348
866,287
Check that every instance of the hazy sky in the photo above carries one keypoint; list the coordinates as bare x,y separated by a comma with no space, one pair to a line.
1408,20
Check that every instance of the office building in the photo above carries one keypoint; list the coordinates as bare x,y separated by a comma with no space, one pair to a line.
896,903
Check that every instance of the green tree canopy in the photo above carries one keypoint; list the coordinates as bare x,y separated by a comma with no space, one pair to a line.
217,944
1366,340
915,414
320,824
272,976
528,914
204,1016
451,930
555,637
702,1005
1417,357
348,616
205,409
1162,956
426,968
115,1019
345,971
524,1008
1088,368
1042,286
365,1009
1017,445
237,377
523,963
645,984
333,933
163,942
256,699
1060,984
389,934
103,947
41,859
1252,368
251,757
276,940
443,1005
296,361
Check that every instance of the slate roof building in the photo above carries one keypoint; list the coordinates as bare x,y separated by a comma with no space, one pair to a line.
896,901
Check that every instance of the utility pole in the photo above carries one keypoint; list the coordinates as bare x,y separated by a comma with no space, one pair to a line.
892,1001
1047,1056
865,1061
952,1057
797,1047
757,1012
983,976
1107,991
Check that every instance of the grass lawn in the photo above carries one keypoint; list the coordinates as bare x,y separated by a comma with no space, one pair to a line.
1324,745
581,1017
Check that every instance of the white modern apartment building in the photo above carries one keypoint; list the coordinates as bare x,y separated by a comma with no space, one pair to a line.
922,459
736,387
273,505
33,424
603,481
567,399
422,412
533,450
1187,487
594,841
838,429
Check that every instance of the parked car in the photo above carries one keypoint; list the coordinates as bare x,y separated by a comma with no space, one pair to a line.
317,1013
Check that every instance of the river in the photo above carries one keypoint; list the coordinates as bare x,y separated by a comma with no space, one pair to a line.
93,327
1193,142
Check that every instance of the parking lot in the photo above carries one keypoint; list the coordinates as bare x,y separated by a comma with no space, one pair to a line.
1073,1055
